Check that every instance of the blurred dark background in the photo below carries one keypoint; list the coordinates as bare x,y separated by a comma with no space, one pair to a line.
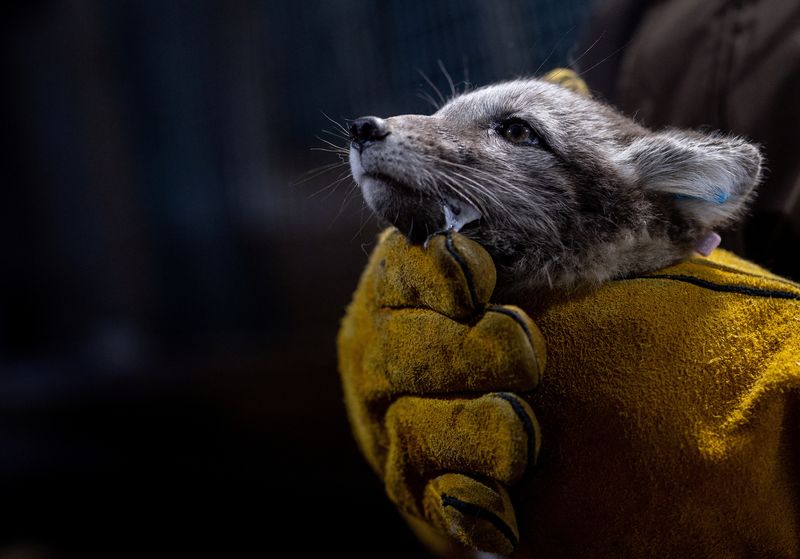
173,280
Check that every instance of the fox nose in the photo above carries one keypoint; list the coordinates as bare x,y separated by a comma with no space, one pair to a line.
368,129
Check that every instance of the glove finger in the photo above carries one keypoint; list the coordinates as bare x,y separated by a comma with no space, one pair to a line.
452,275
476,514
495,436
423,352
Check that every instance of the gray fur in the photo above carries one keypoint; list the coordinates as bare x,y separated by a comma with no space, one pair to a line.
601,197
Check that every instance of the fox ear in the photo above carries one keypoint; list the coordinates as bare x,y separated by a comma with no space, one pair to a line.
711,177
569,79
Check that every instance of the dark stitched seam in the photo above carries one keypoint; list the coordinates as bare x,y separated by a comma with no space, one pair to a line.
425,309
450,394
518,319
740,289
413,308
732,270
464,268
527,424
476,510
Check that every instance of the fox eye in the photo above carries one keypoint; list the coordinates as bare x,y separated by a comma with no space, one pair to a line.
517,131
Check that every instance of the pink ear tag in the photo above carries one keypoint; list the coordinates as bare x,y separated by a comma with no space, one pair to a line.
706,244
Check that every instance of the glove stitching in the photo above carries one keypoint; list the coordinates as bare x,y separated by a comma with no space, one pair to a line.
740,289
527,424
518,319
414,308
734,271
478,511
465,270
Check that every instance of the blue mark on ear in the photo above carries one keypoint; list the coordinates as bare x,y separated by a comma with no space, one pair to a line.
722,197
719,197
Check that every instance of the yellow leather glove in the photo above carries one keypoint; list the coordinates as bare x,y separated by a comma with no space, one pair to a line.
435,380
669,408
